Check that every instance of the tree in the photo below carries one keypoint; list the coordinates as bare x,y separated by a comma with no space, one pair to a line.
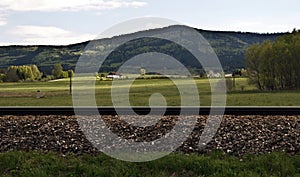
2,77
57,71
11,75
253,65
28,73
143,72
65,74
36,72
275,65
70,73
266,56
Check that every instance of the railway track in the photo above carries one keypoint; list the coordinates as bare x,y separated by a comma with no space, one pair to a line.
146,110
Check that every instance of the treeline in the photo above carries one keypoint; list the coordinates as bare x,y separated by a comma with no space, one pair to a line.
32,73
21,73
275,65
58,72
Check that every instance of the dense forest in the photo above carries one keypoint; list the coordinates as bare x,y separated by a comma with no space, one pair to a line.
275,65
229,46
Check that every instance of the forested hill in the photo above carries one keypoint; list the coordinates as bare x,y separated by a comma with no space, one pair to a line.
229,46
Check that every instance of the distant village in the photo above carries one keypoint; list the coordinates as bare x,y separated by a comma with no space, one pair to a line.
116,75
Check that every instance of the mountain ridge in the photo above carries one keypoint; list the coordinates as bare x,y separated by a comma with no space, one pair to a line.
229,46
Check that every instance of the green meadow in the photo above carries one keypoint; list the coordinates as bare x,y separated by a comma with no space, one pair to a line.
214,164
56,93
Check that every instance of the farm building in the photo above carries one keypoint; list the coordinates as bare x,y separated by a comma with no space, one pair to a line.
114,75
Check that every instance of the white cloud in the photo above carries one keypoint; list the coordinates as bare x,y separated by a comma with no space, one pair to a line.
66,5
3,16
8,6
48,35
3,20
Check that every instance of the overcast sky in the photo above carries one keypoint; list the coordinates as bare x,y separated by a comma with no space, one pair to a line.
60,22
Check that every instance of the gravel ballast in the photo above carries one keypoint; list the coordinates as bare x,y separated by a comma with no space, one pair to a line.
237,135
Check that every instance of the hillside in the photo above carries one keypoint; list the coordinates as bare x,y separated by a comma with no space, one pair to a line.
229,46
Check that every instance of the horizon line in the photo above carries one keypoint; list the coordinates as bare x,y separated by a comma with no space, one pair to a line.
82,42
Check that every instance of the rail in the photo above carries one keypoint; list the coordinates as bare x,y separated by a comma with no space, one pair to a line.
146,110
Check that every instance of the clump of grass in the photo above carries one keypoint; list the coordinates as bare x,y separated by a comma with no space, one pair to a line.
214,164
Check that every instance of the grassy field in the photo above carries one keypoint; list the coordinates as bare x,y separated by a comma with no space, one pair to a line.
56,93
214,164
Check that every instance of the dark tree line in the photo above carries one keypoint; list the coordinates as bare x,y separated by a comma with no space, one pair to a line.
275,65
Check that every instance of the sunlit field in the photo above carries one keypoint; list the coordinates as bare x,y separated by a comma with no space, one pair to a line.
56,93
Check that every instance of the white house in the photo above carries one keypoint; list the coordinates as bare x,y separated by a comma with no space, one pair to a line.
114,75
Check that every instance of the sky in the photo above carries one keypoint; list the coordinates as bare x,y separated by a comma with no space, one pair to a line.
62,22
